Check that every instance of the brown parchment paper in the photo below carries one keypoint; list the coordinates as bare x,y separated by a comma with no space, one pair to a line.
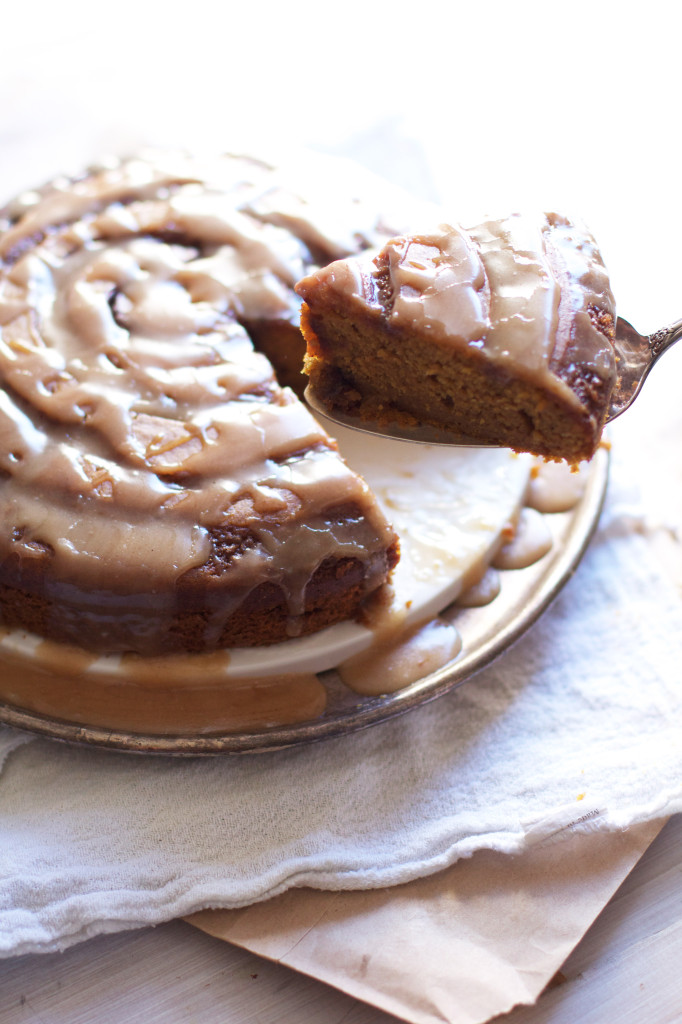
461,946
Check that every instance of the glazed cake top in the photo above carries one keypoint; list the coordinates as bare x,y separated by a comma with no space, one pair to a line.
132,397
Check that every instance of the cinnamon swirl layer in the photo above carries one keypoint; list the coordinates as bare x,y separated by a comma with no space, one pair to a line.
159,489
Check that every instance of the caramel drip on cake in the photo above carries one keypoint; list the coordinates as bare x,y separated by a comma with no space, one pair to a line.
159,489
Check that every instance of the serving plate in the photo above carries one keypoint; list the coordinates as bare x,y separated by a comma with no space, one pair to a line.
486,633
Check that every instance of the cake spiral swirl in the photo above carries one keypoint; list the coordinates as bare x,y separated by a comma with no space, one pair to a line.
159,488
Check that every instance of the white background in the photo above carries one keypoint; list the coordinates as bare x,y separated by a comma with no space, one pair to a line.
491,107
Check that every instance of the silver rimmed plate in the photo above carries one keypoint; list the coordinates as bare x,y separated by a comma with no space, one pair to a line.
486,633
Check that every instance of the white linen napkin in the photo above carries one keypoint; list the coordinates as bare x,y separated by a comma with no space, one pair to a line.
576,727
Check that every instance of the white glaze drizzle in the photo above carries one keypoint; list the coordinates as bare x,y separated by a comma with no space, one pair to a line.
130,380
531,541
398,659
556,486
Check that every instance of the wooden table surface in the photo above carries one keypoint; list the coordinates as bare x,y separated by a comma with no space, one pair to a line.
626,969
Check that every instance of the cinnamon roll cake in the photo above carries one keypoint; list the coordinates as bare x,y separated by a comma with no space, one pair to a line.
160,488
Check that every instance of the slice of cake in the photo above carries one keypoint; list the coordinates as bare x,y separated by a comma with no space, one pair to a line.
500,335
159,489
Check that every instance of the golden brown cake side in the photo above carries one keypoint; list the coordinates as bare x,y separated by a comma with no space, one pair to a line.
502,335
159,489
